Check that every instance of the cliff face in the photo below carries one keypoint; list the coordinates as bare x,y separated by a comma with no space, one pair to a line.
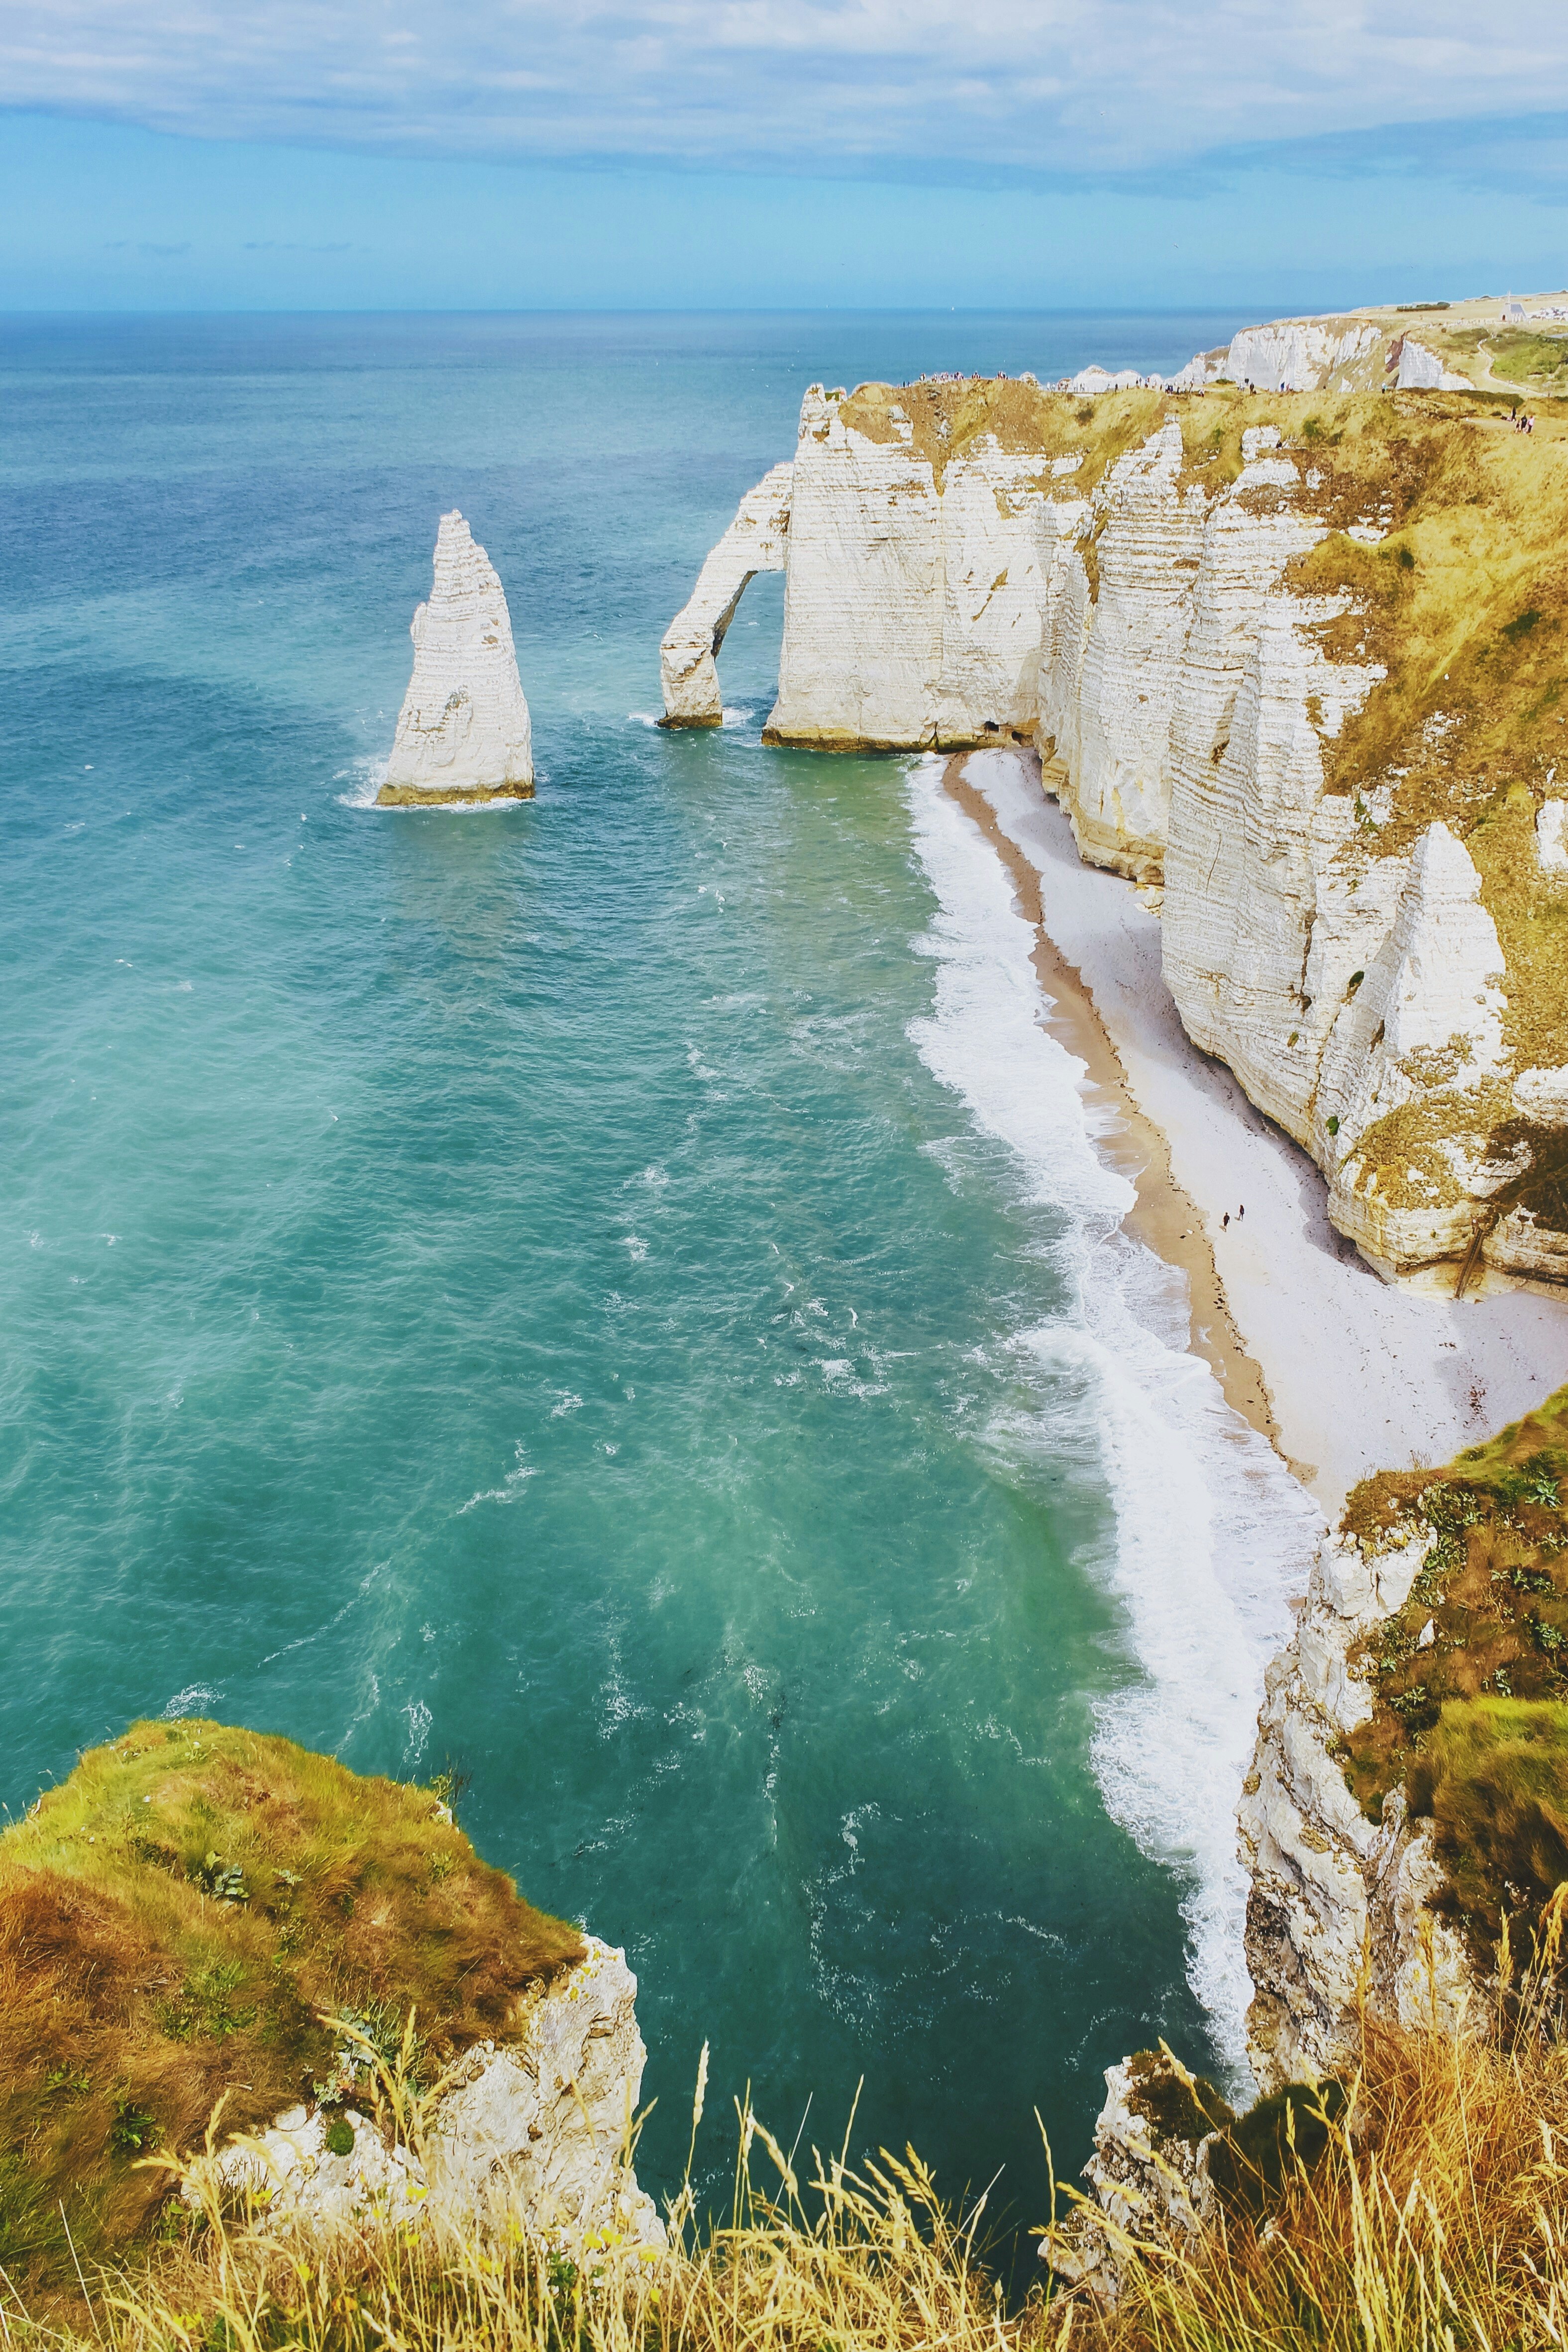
185,1920
1340,1907
534,2131
916,539
1298,660
1229,703
917,559
463,732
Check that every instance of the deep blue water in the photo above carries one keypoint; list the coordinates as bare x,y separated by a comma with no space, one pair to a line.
514,1287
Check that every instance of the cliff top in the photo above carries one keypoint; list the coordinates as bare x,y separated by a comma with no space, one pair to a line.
177,1918
1443,564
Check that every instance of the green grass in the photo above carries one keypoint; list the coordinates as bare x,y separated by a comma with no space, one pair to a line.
1475,1725
179,1917
1492,1776
1523,357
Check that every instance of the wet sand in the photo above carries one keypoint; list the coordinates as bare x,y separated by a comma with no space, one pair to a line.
1345,1374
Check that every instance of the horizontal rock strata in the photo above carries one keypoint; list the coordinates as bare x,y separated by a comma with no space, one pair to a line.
971,560
756,541
463,732
913,589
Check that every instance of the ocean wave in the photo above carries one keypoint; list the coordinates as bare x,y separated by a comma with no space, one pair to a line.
1210,1534
364,779
193,1695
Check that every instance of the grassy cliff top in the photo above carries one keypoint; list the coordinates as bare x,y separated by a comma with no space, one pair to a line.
176,1921
1474,1727
1443,565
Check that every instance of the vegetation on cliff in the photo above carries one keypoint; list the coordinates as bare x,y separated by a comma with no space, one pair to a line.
1469,1679
1430,2214
180,1920
1443,570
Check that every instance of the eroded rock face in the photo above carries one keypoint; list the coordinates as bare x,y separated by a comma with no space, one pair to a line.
534,2130
1334,1894
1149,2180
1184,712
911,605
756,541
463,732
1298,355
1187,696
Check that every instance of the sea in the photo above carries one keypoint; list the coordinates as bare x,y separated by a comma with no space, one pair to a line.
618,1296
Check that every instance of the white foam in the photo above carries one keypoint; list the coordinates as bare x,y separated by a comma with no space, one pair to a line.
184,1702
1211,1534
365,778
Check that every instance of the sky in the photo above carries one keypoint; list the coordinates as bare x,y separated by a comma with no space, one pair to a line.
1290,154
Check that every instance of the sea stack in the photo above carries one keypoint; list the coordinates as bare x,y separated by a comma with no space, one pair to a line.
463,733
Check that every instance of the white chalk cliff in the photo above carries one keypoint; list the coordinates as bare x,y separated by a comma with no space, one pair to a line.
534,2131
954,574
1182,718
912,588
1346,355
1340,1909
756,541
463,732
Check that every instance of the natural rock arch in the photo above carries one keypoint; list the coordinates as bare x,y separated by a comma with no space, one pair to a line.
756,541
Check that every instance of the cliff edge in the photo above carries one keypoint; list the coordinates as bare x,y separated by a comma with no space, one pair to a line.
201,1914
1292,660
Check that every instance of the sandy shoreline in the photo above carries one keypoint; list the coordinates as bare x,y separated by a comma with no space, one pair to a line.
1344,1373
1163,1216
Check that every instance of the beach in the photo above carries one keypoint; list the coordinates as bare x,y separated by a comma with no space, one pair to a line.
1345,1374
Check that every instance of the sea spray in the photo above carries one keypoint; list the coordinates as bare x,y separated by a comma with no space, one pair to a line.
1211,1534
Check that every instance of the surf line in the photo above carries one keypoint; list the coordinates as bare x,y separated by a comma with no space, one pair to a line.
1162,1217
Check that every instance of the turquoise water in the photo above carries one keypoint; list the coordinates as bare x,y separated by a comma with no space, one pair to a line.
524,1287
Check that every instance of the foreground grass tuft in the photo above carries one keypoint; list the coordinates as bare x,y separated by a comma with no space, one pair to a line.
1428,2212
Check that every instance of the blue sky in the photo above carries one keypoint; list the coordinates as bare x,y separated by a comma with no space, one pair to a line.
663,153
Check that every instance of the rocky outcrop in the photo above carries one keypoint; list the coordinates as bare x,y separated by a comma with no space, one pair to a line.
1345,354
967,561
463,732
1298,354
535,2131
914,580
756,541
913,591
1340,1911
1109,667
1189,698
1148,2175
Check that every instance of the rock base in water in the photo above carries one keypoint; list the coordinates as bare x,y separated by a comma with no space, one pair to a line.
464,731
426,796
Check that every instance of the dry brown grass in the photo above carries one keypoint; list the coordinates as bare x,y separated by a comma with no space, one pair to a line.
827,2260
1434,2219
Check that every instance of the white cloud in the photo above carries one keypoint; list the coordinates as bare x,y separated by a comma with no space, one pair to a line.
1064,86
